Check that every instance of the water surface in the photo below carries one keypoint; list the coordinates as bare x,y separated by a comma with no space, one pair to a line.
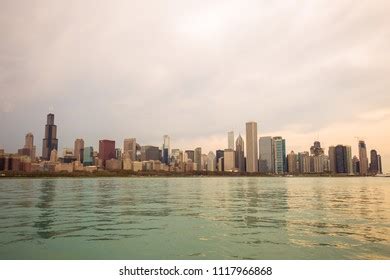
195,218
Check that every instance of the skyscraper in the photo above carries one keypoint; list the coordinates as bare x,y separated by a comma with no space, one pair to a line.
380,164
292,163
198,158
79,149
130,149
240,157
166,149
231,140
363,158
218,155
29,144
266,155
106,150
88,158
374,166
150,153
50,142
280,155
332,159
229,160
348,158
190,155
252,160
341,159
211,162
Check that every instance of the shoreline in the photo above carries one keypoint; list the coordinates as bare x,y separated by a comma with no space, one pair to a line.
129,174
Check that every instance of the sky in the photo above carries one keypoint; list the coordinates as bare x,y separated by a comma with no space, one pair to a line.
305,70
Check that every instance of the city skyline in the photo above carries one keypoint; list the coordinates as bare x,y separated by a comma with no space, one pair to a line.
267,155
305,71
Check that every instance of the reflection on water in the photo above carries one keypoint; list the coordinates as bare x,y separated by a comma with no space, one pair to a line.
195,218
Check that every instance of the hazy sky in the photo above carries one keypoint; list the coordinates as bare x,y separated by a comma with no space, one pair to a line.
305,70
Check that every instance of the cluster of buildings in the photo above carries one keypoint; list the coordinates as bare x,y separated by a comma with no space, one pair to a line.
265,155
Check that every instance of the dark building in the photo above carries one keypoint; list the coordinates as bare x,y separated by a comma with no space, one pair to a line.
24,152
190,154
150,153
374,165
380,171
316,149
165,156
219,154
50,142
2,163
106,150
341,159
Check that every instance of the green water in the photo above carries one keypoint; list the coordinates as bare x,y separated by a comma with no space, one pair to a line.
195,218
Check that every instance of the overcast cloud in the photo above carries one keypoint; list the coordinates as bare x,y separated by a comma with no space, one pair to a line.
195,70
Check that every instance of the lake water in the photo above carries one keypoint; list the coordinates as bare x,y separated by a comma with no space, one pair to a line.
195,218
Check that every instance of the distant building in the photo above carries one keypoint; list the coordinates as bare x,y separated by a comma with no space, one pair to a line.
29,144
150,153
166,149
190,155
113,164
380,171
106,151
130,149
78,149
292,160
53,156
88,159
211,162
240,157
267,155
280,155
304,162
363,158
252,159
231,140
50,142
316,149
218,155
341,159
374,165
229,160
332,159
355,166
198,158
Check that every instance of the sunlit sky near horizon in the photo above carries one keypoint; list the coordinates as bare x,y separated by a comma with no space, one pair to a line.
194,70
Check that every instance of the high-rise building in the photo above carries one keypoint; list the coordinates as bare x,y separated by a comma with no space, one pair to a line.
218,155
380,171
231,140
355,166
316,149
266,155
252,159
53,155
229,160
348,154
166,149
150,153
304,162
130,149
211,162
78,149
280,155
374,168
341,159
88,158
106,150
240,157
190,155
198,158
29,144
363,158
332,159
292,162
50,142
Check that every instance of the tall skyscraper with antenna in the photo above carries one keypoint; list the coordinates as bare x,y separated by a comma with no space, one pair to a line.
50,142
